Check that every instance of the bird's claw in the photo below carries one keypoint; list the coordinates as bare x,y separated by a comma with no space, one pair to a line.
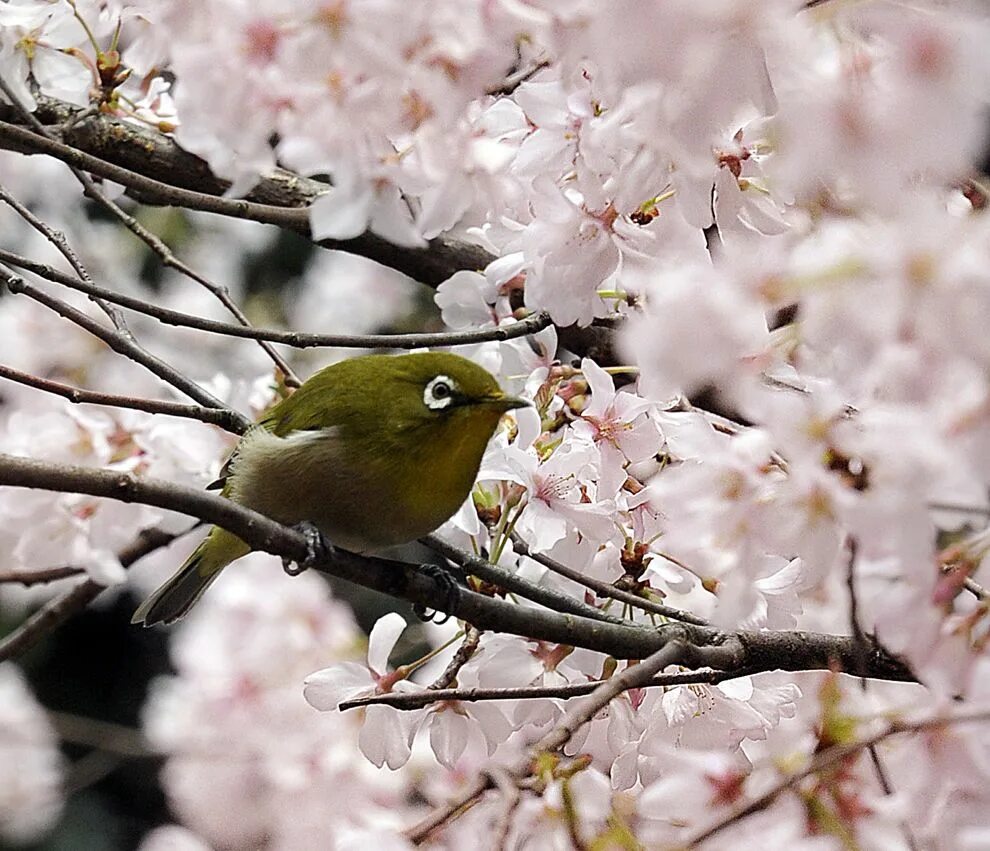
446,582
318,549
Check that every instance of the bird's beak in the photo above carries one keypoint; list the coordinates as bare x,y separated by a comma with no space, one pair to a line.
505,403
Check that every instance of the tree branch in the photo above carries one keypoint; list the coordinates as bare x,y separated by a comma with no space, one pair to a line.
59,609
149,189
222,417
159,173
156,171
103,735
512,582
409,700
514,80
123,344
825,760
603,589
574,717
750,650
39,577
296,339
469,646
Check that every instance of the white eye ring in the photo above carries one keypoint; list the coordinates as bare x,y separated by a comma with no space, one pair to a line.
439,393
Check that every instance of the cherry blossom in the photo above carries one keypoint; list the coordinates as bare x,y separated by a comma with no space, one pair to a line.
38,40
554,491
619,425
31,793
172,837
261,645
386,736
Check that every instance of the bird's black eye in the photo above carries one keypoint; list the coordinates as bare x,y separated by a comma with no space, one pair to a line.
439,393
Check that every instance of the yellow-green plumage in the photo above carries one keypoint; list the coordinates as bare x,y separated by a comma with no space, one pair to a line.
367,449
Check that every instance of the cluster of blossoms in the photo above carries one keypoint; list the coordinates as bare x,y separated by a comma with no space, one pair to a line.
836,305
239,663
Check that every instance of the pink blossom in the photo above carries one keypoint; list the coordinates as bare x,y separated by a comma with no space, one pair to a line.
31,765
619,425
386,735
555,489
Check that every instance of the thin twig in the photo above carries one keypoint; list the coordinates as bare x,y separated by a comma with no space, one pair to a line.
59,609
89,770
603,589
103,735
418,699
883,778
509,790
123,344
635,676
39,577
722,424
440,816
515,80
469,646
214,416
825,760
982,510
169,259
856,629
296,339
512,582
57,238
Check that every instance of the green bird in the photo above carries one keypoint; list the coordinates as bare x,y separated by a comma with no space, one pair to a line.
374,451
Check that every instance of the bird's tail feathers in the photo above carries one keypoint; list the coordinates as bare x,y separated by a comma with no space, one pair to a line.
179,594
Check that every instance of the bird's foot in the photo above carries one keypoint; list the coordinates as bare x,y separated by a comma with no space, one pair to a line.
318,549
449,588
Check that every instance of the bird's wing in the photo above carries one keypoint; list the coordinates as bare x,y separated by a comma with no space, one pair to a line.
294,414
313,407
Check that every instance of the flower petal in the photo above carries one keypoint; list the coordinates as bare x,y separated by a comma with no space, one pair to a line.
326,689
383,636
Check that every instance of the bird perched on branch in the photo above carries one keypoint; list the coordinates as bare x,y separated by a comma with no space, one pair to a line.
373,451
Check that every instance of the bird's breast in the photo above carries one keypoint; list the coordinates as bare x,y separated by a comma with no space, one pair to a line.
360,501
